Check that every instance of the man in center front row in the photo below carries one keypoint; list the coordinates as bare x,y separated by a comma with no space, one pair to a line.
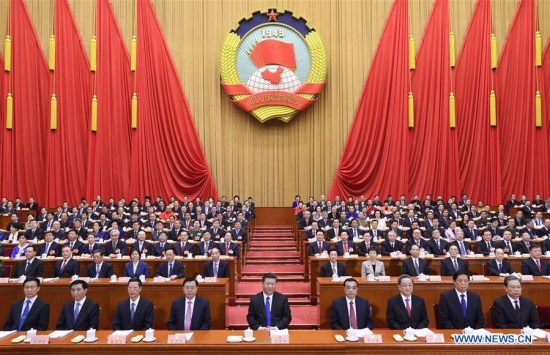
406,310
136,312
512,310
460,308
350,311
190,312
268,309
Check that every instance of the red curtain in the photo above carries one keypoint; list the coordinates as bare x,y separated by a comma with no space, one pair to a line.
167,154
65,167
5,135
545,86
373,159
478,142
23,148
524,148
109,150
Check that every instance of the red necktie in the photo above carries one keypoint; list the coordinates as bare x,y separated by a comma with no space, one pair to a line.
345,247
538,266
320,247
352,317
408,306
226,248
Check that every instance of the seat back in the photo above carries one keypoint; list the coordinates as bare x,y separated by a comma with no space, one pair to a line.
544,315
436,313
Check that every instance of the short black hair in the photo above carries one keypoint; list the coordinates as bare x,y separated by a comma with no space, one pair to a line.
351,279
533,246
458,273
135,279
79,282
269,275
30,279
507,279
190,279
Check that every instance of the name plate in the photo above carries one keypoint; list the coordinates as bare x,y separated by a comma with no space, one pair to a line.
87,279
4,280
526,277
177,339
210,279
478,278
40,339
373,338
435,338
384,278
435,277
280,339
116,339
123,279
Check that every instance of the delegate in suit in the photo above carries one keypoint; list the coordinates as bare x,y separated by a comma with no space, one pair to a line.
512,310
30,312
350,311
216,267
81,313
31,267
268,309
406,310
136,312
190,312
460,308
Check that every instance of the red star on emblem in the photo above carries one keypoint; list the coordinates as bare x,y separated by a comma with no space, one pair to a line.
272,15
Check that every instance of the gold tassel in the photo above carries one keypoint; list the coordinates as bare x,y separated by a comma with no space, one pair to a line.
411,110
94,114
7,53
134,111
93,54
412,53
53,112
133,54
452,110
538,110
51,58
493,109
452,57
494,57
538,49
9,112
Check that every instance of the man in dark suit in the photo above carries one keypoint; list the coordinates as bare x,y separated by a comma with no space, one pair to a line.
162,245
136,312
30,312
391,244
171,268
268,309
319,246
406,310
534,265
464,248
49,248
470,231
459,308
183,247
238,234
115,246
334,232
350,311
416,239
345,245
73,242
486,246
512,310
525,244
143,246
449,266
506,243
190,312
414,266
498,266
365,245
436,245
31,266
328,269
34,232
81,313
216,267
90,246
99,268
206,245
67,267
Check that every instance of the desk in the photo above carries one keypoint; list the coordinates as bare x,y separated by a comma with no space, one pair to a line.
301,341
193,267
378,293
107,295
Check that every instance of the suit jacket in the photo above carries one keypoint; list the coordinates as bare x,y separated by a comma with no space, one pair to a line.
545,246
71,268
331,233
88,317
37,318
326,270
110,250
211,245
240,233
504,314
504,245
189,248
223,269
410,243
359,233
522,247
407,267
314,248
146,246
340,247
528,267
492,268
483,249
85,248
397,316
448,269
450,311
467,246
431,246
37,233
362,248
158,251
366,268
105,271
142,269
77,245
144,315
200,320
53,251
280,311
177,269
339,315
35,269
232,246
387,249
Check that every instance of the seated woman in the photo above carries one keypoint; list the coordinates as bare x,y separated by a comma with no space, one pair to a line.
372,266
98,233
136,268
20,248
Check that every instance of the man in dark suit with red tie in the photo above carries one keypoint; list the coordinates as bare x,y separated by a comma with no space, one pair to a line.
67,267
406,310
319,246
345,245
513,311
268,309
534,265
228,247
350,311
365,245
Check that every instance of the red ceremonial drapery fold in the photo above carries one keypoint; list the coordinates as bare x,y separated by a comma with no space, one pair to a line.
524,148
478,142
374,159
5,135
23,148
545,85
67,147
109,149
433,152
167,155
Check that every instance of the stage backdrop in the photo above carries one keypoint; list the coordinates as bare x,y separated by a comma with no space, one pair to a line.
273,161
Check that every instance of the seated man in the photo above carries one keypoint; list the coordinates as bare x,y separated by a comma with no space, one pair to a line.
268,309
99,268
512,310
414,266
416,239
534,265
171,268
115,246
460,308
136,312
49,248
81,313
319,246
229,247
190,312
406,310
30,312
333,267
183,247
345,245
486,246
391,244
436,245
350,311
216,267
499,266
463,247
525,244
67,267
449,266
31,266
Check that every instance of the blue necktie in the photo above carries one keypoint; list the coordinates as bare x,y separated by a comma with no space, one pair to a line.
267,312
462,250
132,310
463,305
169,269
500,268
24,314
76,311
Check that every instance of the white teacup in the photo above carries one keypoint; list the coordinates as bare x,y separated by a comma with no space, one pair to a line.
527,331
142,278
351,333
113,278
467,330
150,334
74,277
422,277
90,334
248,333
409,333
